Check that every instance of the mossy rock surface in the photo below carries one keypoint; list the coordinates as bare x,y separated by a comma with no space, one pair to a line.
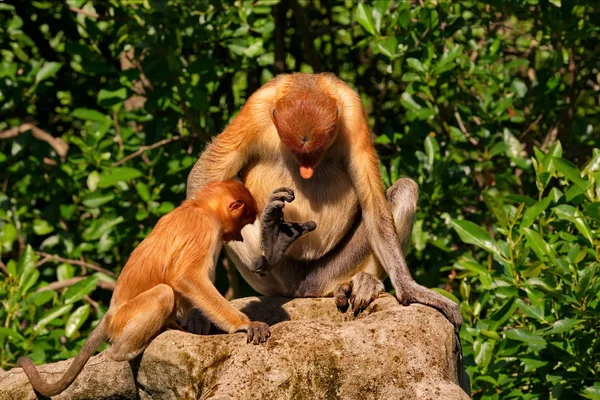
315,352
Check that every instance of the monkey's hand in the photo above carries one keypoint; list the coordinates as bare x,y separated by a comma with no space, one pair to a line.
415,293
258,332
277,235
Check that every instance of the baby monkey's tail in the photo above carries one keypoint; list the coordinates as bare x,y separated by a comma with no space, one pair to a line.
98,336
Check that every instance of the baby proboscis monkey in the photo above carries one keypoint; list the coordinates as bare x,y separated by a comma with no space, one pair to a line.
166,276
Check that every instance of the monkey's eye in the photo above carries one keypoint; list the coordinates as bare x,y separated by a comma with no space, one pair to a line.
274,113
337,112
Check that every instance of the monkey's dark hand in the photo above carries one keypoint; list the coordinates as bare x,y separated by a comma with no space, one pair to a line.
258,332
278,235
415,293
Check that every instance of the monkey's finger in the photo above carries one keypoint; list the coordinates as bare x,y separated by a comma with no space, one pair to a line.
283,196
274,206
282,190
309,226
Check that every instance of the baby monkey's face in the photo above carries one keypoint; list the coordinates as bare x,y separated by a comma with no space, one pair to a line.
242,211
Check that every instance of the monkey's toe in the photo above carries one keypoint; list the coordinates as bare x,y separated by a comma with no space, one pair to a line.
418,294
258,332
365,289
340,294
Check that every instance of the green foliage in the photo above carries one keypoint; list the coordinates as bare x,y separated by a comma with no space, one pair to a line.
532,298
36,318
105,107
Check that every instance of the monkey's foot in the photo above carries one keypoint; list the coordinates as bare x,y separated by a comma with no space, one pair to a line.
197,323
362,289
277,235
414,293
258,332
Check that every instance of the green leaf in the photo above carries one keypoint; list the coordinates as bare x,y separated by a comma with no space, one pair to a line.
524,336
52,315
41,298
97,199
503,314
564,325
76,320
364,16
571,172
48,70
42,227
11,333
31,280
432,148
92,180
26,264
474,234
495,205
388,47
572,214
539,245
100,227
415,64
81,289
111,97
143,191
519,88
532,213
483,352
90,115
113,176
533,364
592,392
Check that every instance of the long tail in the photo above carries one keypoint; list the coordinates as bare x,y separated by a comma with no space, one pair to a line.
98,336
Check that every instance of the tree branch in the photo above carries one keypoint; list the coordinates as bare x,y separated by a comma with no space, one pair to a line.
307,37
84,12
70,282
56,143
145,148
279,13
53,257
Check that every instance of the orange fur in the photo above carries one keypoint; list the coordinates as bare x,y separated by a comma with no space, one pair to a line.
309,132
167,275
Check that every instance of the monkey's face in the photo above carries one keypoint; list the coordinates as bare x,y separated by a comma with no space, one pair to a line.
307,124
242,210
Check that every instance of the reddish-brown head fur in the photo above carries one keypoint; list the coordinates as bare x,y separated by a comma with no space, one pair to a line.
234,205
306,119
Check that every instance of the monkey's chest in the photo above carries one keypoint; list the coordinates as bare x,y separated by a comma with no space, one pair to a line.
328,198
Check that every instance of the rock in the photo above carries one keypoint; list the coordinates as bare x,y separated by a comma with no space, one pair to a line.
315,352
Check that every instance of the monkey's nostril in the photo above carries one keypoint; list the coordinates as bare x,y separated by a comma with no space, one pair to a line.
304,139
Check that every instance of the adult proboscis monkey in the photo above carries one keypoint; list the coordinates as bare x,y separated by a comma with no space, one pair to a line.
309,132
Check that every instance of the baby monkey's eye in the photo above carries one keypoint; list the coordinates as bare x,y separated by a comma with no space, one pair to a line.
274,113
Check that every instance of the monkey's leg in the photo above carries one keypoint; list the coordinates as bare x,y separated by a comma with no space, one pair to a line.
363,288
278,235
137,321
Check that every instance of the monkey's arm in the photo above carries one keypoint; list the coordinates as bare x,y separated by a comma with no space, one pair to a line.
227,154
218,310
277,235
363,170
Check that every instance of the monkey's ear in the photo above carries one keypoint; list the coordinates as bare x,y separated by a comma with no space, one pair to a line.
236,205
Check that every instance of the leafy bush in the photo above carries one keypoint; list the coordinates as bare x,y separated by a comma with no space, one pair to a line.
105,106
532,296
